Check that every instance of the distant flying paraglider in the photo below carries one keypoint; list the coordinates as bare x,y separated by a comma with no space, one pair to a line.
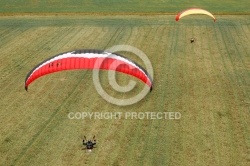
192,40
88,59
193,11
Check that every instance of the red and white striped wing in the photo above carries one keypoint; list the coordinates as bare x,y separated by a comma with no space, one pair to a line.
88,59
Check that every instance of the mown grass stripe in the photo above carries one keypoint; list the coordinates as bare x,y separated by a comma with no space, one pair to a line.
172,105
213,115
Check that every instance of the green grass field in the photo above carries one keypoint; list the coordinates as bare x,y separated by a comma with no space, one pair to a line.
120,6
208,82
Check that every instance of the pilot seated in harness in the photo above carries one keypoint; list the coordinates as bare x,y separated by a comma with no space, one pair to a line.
89,144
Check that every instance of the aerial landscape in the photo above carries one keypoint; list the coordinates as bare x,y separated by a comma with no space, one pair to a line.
178,93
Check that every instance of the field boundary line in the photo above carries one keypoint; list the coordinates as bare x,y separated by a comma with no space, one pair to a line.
106,13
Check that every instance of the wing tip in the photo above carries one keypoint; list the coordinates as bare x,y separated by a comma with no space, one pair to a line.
151,88
177,18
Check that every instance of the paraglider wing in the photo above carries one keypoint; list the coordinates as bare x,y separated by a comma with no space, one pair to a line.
193,11
88,59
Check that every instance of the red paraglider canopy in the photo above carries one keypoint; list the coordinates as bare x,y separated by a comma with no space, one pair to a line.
88,59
